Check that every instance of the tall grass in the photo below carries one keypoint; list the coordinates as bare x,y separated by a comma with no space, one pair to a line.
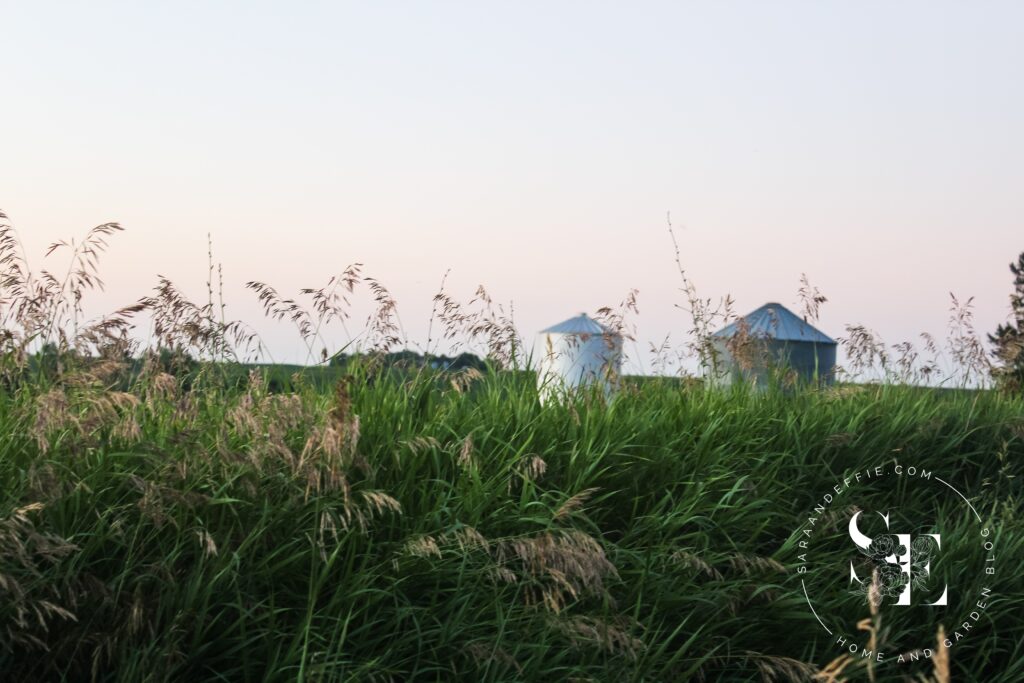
444,526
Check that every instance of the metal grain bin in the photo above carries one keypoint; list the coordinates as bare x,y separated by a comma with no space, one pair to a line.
772,341
577,353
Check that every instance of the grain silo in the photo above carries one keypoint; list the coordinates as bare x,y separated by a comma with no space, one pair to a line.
576,353
772,340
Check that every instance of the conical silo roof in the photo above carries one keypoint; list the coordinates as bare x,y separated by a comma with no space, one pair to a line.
775,321
581,324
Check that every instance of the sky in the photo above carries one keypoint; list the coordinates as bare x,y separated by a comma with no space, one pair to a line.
532,147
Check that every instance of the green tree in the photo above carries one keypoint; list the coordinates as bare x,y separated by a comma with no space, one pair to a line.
1009,337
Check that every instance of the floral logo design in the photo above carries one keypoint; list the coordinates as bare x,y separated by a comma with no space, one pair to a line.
900,564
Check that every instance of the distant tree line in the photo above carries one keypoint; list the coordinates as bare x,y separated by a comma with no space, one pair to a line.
411,359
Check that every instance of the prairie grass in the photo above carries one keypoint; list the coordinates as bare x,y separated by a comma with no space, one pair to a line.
427,525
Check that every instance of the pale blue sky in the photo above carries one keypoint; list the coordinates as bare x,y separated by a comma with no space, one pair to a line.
533,147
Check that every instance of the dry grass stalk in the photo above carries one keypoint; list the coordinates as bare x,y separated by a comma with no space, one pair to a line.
556,567
691,560
465,459
616,321
423,546
833,671
772,668
24,553
864,350
746,349
573,503
776,668
480,321
383,327
811,300
468,538
940,665
53,414
533,467
971,360
612,635
755,564
207,543
462,380
332,303
705,314
422,444
182,326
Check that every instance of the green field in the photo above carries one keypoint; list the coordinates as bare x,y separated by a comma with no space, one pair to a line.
170,512
438,527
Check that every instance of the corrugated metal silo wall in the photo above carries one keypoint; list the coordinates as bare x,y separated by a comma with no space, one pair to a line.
764,357
811,361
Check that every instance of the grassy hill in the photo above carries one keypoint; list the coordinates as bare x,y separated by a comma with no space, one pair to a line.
444,526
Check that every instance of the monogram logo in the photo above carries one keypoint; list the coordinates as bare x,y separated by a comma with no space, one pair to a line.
901,563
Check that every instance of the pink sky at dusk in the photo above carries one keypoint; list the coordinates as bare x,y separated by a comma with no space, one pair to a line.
533,148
